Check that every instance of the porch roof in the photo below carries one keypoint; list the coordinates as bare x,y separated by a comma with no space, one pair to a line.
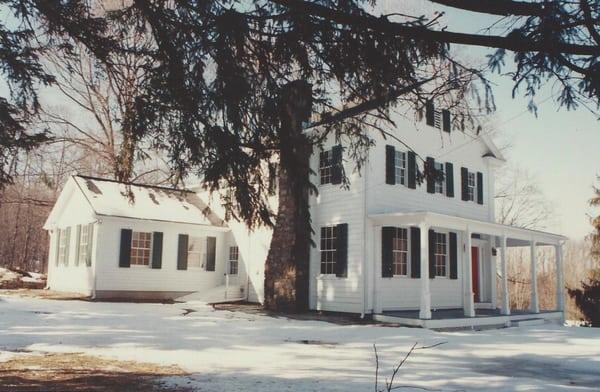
516,236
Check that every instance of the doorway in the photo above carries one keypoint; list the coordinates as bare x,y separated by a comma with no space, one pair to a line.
475,273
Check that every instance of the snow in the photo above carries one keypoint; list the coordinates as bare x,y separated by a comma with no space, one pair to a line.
7,277
226,351
111,198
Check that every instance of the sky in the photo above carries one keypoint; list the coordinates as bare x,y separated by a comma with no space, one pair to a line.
559,148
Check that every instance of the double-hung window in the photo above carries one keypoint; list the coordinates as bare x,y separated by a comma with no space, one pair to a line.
234,255
326,167
471,186
63,246
400,167
141,247
196,252
400,252
328,249
441,254
85,237
439,178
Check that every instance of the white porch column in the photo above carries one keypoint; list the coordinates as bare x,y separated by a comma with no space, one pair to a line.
425,310
503,261
535,305
468,302
560,283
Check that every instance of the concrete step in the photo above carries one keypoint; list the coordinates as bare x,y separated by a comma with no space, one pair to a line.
528,322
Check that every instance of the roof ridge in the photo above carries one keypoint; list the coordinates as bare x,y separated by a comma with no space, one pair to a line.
134,184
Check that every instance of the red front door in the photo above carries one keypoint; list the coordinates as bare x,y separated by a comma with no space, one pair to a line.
475,272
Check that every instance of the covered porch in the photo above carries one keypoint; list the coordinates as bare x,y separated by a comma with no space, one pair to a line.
478,242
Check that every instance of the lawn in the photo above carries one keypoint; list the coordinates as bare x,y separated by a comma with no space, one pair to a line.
183,347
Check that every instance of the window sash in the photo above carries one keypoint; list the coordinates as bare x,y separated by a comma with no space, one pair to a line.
325,167
471,186
400,167
439,184
141,248
62,246
328,249
234,255
441,254
400,252
84,238
196,252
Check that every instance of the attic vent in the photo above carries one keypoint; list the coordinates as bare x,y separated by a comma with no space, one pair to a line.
437,119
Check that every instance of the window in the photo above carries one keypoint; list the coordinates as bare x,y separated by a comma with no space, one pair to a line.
400,252
326,167
437,119
196,252
85,237
471,186
234,255
439,175
63,246
400,167
328,249
441,254
141,244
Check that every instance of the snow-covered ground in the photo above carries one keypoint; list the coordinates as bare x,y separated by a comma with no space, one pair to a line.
235,351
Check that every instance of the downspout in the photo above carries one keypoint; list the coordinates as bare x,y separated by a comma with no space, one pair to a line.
95,258
364,248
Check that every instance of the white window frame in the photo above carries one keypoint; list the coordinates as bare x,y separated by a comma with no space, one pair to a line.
439,186
325,167
199,254
328,250
234,260
398,251
137,248
62,247
400,169
84,238
438,255
471,186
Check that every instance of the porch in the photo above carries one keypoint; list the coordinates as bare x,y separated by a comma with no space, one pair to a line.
477,247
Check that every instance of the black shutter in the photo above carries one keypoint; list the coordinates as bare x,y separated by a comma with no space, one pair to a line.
415,252
88,259
336,167
390,165
464,181
479,188
341,251
56,251
412,170
429,113
431,175
211,253
182,251
157,247
125,254
453,257
449,179
431,254
387,257
446,120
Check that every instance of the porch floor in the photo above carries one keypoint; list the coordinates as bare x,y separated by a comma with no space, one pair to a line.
455,318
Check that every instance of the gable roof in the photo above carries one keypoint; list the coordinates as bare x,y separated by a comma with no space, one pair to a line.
493,150
138,201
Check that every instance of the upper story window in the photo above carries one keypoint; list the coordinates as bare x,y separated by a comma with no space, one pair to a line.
141,246
326,167
400,252
400,167
441,254
471,185
439,186
328,249
234,255
196,252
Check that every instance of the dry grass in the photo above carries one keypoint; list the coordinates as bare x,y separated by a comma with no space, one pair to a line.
33,372
46,294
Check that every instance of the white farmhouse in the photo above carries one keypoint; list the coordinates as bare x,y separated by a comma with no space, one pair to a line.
423,254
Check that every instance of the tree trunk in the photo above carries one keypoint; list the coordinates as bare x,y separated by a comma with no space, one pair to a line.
287,264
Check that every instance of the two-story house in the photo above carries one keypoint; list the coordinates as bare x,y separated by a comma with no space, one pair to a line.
424,253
